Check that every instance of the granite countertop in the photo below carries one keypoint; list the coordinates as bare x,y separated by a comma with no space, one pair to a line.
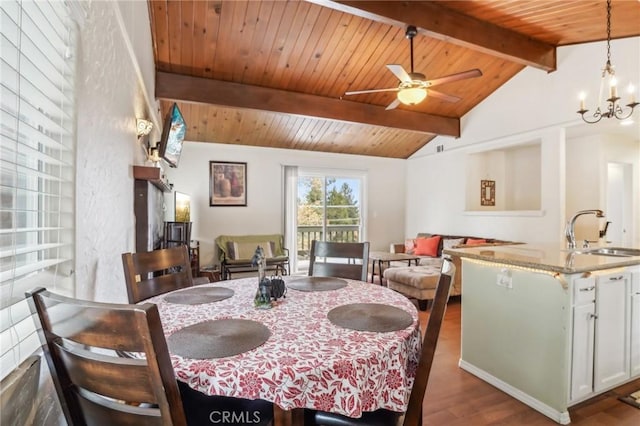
548,257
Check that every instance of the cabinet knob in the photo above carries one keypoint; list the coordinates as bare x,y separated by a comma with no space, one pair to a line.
618,278
594,316
588,288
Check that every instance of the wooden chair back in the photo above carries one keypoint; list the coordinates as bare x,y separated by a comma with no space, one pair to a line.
148,274
354,260
95,386
413,415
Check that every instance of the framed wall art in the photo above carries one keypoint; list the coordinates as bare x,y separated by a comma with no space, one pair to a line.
227,183
487,192
182,207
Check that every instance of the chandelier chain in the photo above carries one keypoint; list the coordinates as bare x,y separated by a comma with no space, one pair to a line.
608,31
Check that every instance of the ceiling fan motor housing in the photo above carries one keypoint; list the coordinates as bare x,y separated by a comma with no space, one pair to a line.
417,76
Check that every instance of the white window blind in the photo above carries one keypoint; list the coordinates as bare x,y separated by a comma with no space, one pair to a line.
38,45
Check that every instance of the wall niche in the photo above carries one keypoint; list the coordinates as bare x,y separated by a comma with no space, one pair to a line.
504,180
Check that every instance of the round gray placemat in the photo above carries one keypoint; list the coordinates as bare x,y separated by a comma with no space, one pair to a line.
217,338
370,317
317,284
199,295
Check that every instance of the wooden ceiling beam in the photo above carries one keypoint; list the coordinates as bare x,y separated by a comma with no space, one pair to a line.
441,23
183,88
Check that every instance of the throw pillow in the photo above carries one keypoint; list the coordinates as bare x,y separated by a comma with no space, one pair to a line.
409,246
448,243
427,246
246,250
475,241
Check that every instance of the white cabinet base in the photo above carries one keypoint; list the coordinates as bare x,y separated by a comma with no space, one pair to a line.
561,417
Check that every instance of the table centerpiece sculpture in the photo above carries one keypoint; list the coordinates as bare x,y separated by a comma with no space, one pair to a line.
262,300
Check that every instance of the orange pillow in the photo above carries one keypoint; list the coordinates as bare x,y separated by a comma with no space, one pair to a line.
475,241
427,246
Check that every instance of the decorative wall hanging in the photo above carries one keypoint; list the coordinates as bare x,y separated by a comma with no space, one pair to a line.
227,183
488,192
182,207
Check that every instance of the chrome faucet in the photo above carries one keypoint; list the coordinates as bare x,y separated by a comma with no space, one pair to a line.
569,229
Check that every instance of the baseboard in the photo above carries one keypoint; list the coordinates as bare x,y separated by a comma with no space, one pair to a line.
561,417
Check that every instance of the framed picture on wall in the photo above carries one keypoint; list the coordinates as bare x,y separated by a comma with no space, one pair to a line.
487,192
227,183
183,207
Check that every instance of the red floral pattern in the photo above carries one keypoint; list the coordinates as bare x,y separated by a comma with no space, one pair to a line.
307,362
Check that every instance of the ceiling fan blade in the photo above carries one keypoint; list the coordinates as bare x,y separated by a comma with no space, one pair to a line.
393,104
455,77
442,96
359,92
399,72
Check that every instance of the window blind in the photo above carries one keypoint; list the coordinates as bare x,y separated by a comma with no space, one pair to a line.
38,45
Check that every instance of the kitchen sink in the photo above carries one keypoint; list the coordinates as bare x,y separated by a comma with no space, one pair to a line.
612,251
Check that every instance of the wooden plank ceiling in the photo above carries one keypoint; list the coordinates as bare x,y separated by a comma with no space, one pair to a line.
274,73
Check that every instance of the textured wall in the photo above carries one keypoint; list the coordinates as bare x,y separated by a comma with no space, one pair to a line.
109,98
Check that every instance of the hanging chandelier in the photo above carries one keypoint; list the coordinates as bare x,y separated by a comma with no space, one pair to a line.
612,109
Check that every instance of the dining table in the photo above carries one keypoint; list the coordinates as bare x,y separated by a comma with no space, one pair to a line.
329,344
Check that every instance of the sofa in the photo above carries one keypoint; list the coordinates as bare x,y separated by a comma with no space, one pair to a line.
419,281
236,251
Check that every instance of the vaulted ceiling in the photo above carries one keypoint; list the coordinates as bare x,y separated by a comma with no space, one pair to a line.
275,73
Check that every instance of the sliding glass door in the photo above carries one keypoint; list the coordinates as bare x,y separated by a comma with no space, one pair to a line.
329,207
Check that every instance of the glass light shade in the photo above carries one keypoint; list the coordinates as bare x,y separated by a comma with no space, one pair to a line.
143,127
412,95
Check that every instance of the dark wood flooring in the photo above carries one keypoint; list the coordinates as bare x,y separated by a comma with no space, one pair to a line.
457,398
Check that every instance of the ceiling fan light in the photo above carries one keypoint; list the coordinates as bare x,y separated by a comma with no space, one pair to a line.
412,95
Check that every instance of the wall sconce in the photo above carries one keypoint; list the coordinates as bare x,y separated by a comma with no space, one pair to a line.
143,127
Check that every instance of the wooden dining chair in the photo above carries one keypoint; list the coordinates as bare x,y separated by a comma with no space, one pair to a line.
94,384
82,341
343,260
413,415
148,274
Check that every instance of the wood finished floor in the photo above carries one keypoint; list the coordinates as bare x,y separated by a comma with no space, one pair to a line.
457,398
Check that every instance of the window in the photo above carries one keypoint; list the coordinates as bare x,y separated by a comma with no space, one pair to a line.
36,164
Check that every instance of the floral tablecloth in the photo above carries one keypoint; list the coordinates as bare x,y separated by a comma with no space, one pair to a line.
307,362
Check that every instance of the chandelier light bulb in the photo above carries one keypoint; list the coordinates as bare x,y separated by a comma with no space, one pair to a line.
582,97
632,92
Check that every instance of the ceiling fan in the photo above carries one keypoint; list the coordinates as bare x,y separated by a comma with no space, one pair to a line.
413,86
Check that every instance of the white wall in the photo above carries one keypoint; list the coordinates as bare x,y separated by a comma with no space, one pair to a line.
438,187
264,212
110,97
587,158
532,105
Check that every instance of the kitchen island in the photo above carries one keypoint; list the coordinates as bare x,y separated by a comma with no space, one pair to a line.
550,326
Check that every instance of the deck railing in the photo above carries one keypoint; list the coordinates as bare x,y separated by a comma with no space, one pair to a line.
336,233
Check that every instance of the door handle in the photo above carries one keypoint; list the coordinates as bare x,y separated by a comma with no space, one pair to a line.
588,288
618,278
594,316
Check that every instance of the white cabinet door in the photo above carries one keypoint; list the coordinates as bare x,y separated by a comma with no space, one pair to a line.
612,336
635,324
582,350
